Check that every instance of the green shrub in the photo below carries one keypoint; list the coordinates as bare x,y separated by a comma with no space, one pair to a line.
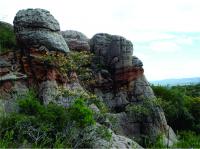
181,105
175,106
7,139
7,37
188,139
140,111
104,133
36,125
80,113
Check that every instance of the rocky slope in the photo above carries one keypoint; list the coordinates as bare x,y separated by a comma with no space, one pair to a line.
116,77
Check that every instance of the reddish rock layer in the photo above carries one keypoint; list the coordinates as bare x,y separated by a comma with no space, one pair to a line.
128,74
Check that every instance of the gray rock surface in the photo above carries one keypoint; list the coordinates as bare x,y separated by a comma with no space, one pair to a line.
142,89
8,102
115,53
36,28
113,101
116,141
136,62
170,137
112,50
76,40
123,142
48,91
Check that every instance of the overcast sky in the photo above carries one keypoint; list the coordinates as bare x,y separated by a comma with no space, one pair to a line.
165,33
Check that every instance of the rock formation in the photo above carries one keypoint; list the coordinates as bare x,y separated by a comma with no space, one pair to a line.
76,40
119,77
115,53
36,28
114,65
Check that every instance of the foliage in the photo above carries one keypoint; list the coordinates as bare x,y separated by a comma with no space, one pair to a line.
88,97
7,38
104,132
72,61
188,139
141,110
189,90
80,113
175,106
159,142
37,125
181,105
78,62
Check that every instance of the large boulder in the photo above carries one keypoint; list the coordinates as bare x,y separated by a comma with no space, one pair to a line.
36,28
112,50
76,40
114,53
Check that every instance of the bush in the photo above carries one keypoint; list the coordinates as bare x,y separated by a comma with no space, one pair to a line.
37,125
80,113
142,110
174,104
188,139
7,37
181,105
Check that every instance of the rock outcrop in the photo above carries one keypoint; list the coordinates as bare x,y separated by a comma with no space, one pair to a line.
118,77
36,28
115,53
122,84
76,40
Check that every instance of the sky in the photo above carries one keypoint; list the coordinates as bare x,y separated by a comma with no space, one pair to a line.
165,33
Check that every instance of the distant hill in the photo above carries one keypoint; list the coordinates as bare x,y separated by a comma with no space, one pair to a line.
173,82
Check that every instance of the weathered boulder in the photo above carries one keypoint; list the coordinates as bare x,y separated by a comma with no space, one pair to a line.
136,62
141,88
115,54
36,28
112,50
76,40
116,141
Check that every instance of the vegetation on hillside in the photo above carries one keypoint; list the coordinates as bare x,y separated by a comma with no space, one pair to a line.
7,37
181,105
37,125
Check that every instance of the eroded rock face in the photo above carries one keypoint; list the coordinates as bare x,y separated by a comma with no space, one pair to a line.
112,51
76,40
121,83
115,53
37,27
116,141
119,77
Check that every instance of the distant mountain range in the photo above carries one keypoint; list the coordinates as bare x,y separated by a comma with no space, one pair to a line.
173,82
